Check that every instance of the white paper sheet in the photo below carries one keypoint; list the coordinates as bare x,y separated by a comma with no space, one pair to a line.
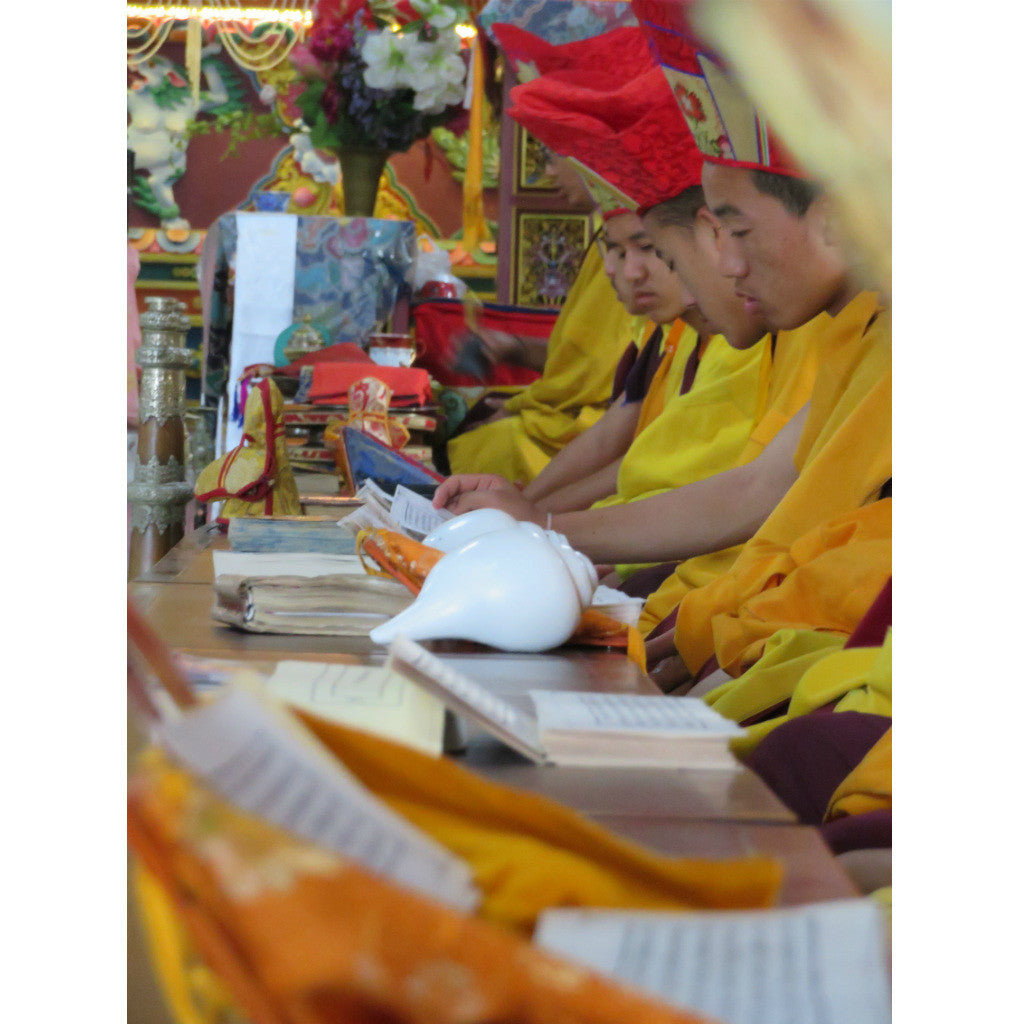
819,964
415,514
284,563
365,697
265,763
628,713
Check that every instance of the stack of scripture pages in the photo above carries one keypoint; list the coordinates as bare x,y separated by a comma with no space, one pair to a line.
302,593
319,605
570,728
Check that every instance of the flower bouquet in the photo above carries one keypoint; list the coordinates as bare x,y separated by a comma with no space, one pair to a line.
378,74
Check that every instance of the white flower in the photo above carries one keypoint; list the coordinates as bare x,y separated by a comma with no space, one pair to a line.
385,61
268,94
439,15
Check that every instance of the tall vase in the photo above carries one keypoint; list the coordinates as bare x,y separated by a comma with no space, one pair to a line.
360,178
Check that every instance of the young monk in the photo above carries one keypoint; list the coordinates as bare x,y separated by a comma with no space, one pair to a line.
586,469
780,247
591,333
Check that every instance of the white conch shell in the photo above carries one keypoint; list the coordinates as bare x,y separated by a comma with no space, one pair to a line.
584,574
513,589
458,531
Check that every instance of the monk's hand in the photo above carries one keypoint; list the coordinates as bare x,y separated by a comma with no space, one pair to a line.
511,502
464,483
499,346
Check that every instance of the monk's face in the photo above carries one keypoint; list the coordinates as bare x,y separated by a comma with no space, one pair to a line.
644,285
783,267
691,253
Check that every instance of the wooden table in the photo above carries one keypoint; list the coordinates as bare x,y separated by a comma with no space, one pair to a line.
679,812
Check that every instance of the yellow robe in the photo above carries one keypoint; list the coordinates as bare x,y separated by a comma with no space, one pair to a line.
826,581
588,339
853,679
869,786
697,434
785,381
678,342
844,457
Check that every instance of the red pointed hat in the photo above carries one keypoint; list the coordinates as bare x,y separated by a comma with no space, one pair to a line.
531,56
725,125
625,130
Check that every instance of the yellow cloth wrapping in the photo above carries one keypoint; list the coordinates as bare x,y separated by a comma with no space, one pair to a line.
255,478
528,852
299,935
869,786
847,444
588,339
856,678
785,382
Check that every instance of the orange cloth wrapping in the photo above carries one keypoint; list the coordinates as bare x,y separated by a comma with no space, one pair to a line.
398,556
355,948
368,402
869,786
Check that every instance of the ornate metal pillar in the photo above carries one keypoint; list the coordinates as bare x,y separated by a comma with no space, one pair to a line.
159,492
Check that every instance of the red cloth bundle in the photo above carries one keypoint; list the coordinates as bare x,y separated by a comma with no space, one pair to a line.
409,385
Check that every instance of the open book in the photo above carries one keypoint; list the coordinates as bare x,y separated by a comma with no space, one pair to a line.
823,963
570,728
404,512
256,755
366,697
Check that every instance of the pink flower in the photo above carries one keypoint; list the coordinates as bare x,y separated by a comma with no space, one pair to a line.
303,61
330,42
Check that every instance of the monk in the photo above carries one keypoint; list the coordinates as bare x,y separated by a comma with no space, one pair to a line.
780,248
586,468
586,343
608,134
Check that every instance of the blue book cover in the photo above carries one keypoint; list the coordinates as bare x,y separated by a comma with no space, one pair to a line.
366,458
